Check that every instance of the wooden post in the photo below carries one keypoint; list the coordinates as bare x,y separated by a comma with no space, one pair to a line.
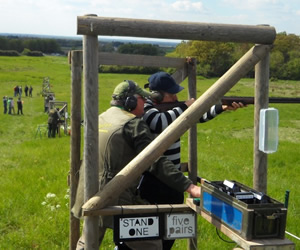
76,75
193,160
261,101
141,162
111,26
90,152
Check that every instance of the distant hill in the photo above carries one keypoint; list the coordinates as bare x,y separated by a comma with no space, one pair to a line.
159,42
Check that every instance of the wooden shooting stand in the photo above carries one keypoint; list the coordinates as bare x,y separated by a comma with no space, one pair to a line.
90,27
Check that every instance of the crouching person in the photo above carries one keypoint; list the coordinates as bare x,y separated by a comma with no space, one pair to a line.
122,136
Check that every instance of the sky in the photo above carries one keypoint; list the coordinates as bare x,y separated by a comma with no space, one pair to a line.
59,17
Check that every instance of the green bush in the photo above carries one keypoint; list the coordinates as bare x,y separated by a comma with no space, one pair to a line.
35,53
9,53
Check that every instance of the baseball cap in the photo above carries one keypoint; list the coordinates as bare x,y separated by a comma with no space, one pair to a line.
129,88
164,82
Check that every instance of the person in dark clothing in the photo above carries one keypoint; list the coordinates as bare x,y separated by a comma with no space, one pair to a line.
5,104
20,106
165,89
30,91
53,118
26,90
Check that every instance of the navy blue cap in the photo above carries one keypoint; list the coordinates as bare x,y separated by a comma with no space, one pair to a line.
162,81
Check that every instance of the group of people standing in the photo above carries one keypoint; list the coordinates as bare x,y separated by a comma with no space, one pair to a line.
18,91
9,105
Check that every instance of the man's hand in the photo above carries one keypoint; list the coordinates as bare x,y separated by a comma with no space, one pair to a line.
233,106
189,102
194,190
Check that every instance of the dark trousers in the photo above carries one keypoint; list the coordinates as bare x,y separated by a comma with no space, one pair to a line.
52,129
157,192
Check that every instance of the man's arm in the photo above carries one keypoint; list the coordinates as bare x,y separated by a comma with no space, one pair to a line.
138,135
159,121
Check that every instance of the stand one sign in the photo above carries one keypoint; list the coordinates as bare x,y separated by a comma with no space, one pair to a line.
139,227
168,226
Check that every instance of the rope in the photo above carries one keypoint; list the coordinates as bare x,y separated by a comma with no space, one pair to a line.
296,237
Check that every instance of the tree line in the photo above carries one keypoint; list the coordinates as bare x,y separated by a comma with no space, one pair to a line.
27,45
215,58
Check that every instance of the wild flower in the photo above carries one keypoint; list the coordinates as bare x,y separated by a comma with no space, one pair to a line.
51,201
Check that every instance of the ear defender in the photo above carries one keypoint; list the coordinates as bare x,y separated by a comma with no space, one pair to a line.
130,102
157,96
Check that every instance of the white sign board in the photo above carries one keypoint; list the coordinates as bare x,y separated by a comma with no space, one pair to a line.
180,226
139,227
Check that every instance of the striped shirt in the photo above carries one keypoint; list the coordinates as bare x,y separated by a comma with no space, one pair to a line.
159,121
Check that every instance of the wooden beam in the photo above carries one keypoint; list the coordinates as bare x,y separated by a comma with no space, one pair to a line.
105,58
113,26
76,78
90,151
192,139
139,209
260,166
140,163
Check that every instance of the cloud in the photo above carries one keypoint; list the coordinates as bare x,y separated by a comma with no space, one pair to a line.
251,4
186,5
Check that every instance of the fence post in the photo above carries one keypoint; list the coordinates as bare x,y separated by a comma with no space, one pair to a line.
76,75
90,152
261,101
192,138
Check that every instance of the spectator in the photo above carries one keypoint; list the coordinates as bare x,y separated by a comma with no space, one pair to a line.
30,91
12,104
5,104
9,105
20,91
20,106
26,90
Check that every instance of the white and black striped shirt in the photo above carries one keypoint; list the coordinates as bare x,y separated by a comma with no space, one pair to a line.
158,121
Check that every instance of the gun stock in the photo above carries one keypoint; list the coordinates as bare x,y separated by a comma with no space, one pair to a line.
228,100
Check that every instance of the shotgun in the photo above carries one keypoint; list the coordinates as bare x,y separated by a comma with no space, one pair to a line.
228,100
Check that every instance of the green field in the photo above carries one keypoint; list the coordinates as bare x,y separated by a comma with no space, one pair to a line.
34,211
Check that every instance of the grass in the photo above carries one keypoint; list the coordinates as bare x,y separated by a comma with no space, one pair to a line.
33,168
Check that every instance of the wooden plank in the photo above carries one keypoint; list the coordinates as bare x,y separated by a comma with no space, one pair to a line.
106,58
139,209
192,138
90,151
274,244
113,26
140,163
260,166
180,74
76,76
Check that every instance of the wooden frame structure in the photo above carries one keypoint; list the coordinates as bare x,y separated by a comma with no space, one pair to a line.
63,111
90,27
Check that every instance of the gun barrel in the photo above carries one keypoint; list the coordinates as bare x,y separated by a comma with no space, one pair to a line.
228,100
